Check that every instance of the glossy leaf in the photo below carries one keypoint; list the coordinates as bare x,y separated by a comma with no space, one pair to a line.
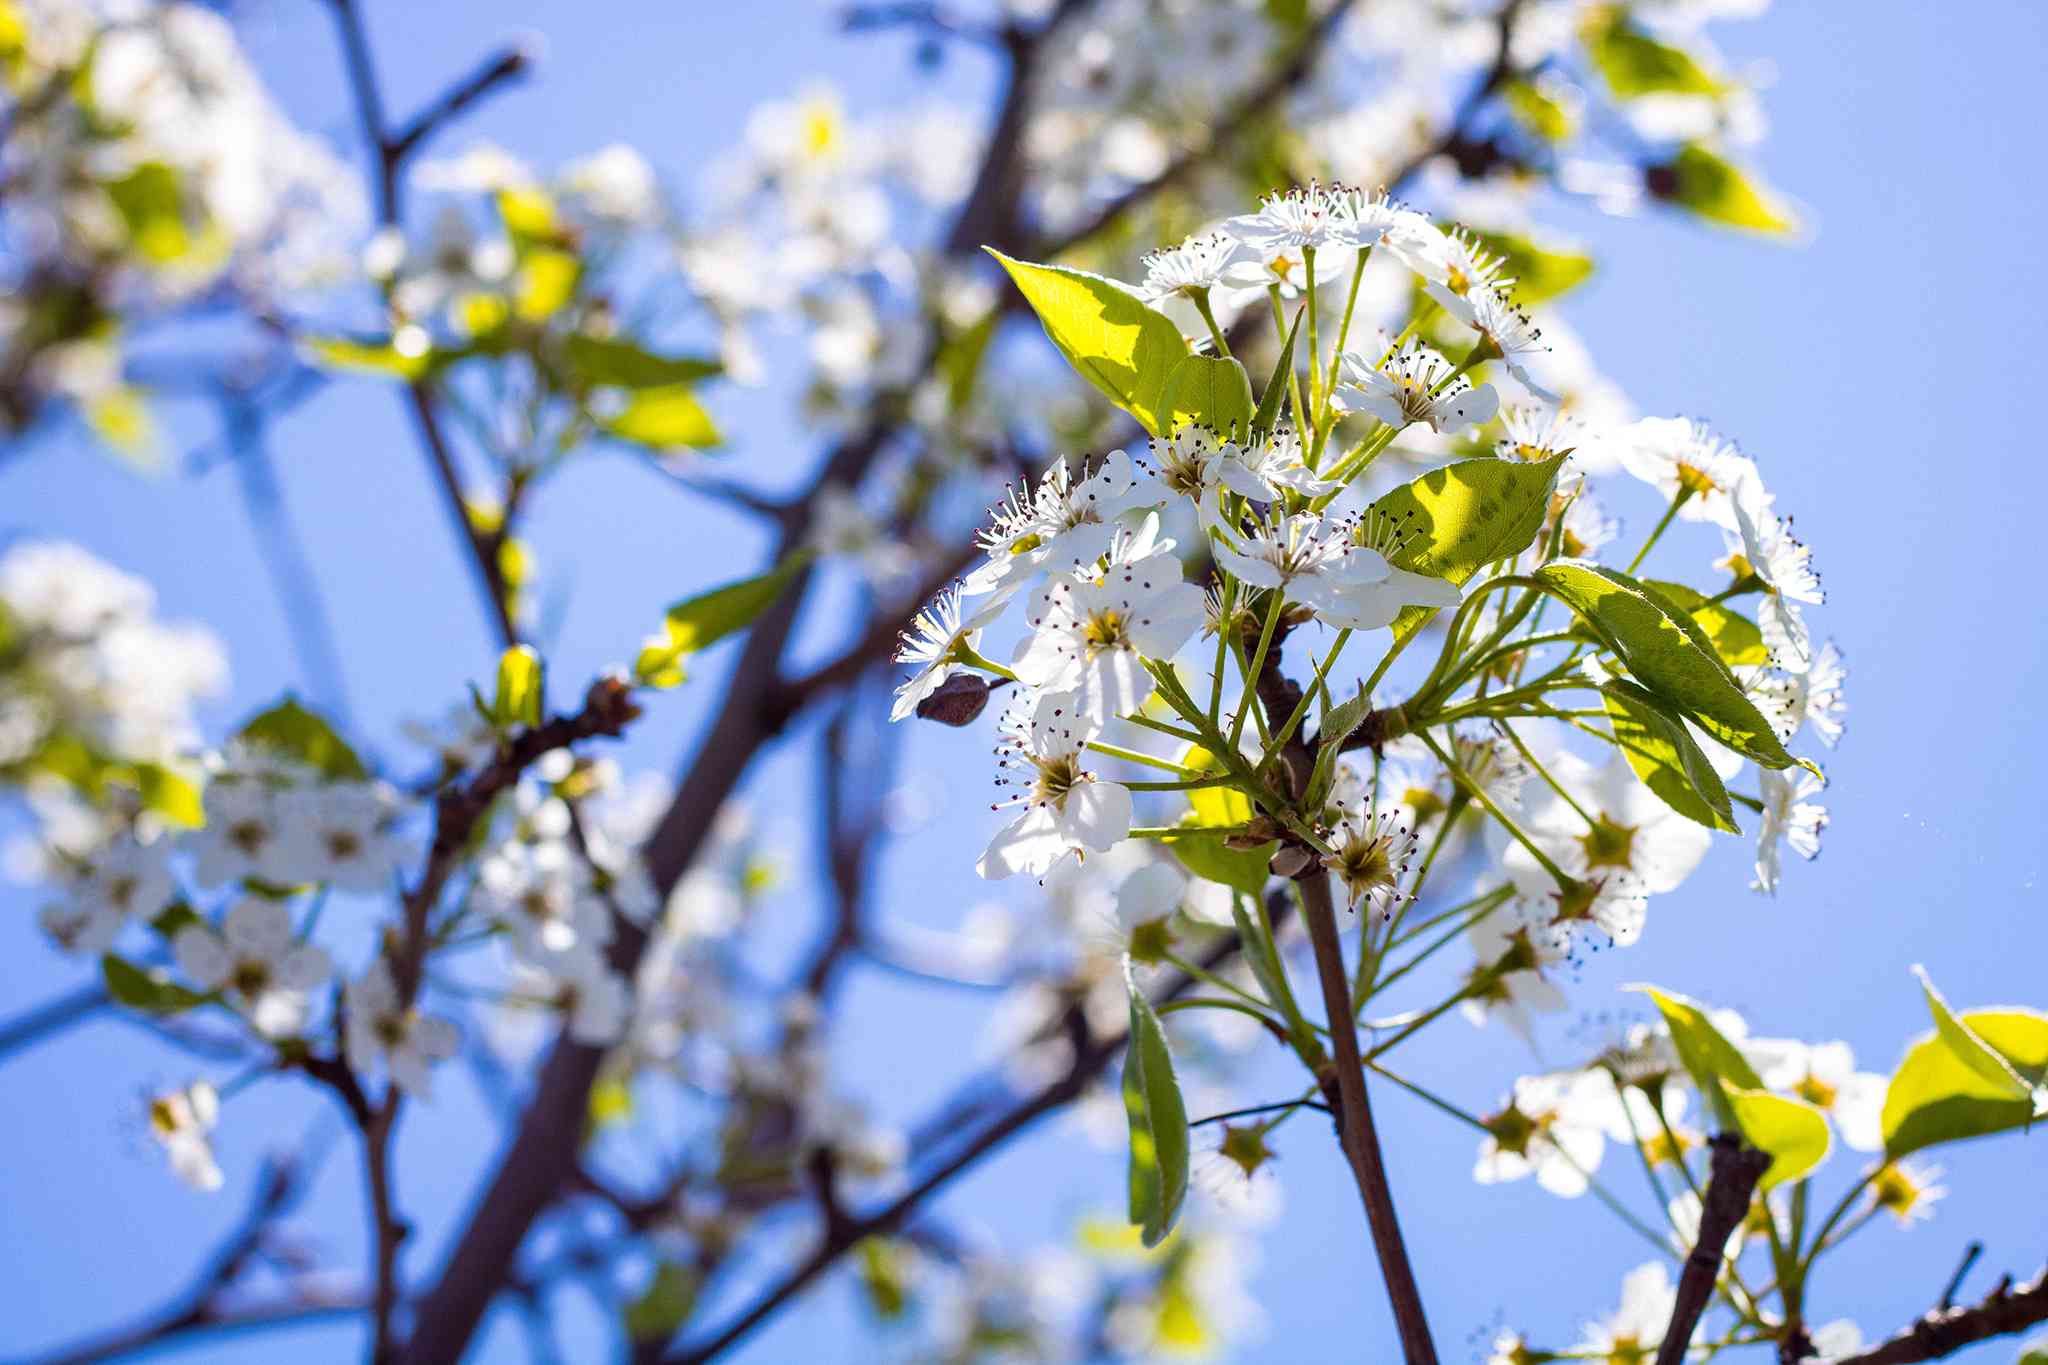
1158,1121
1210,391
1463,516
1735,637
1668,653
666,417
1706,1053
1119,345
1665,756
1271,973
709,617
1205,854
1935,1096
291,729
1794,1132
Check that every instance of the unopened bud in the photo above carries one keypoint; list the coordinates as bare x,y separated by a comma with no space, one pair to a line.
958,700
1291,861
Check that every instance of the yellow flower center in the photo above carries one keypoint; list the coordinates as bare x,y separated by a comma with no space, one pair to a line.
1608,844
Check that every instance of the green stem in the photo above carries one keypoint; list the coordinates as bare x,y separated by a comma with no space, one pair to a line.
1677,501
1139,756
1276,600
1201,298
1293,374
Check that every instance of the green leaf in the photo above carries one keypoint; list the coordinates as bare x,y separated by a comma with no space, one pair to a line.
885,1265
151,205
1275,395
545,283
520,689
1935,1096
1336,728
1213,391
1465,515
370,357
1735,637
1707,1055
660,1312
1540,272
1159,1122
960,357
1668,653
1634,64
291,729
1970,1050
2033,1352
1537,111
167,794
666,417
150,991
172,918
709,617
620,363
1210,807
1716,189
1794,1132
1665,755
1119,345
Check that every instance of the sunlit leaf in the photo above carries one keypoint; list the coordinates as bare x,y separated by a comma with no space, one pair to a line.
668,417
1210,391
1635,64
290,729
1463,516
701,621
1666,757
1541,271
614,362
371,357
1735,637
1794,1132
1969,1049
1668,653
545,283
1268,413
1538,111
1935,1096
1119,345
1706,1053
1702,180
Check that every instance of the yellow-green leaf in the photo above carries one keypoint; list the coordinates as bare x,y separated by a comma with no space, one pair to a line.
372,357
1969,1049
1635,64
151,991
169,795
1666,757
1210,808
291,729
1464,515
709,617
1735,637
1210,391
1935,1096
1158,1120
1668,653
667,417
1119,345
1707,1054
151,204
545,283
1537,110
519,695
622,364
660,1312
1795,1133
1716,189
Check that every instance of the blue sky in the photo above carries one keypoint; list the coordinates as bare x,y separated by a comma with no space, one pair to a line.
1880,374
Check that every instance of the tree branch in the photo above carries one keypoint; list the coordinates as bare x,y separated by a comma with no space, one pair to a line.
2001,1312
38,1023
1735,1170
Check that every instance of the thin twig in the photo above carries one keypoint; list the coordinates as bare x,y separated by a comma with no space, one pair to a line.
45,1019
2003,1311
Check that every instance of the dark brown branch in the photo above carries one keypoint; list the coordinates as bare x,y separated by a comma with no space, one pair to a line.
1736,1167
509,65
484,546
2003,1311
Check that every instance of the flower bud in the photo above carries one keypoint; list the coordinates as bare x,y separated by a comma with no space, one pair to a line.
957,700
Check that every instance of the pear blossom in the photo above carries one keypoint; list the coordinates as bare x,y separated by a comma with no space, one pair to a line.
1509,959
1417,385
1633,1332
1370,850
1507,331
933,644
180,1120
1066,807
121,880
1790,816
541,895
1455,267
1302,219
380,1027
244,835
1906,1190
1675,455
255,959
1763,545
1811,697
595,1001
1538,433
1553,1127
1193,268
1059,525
1196,464
1092,638
342,834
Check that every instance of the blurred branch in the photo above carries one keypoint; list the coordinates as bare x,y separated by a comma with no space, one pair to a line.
279,1188
1735,1169
932,20
1944,1331
40,1022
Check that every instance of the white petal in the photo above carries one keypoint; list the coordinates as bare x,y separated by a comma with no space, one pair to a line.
1097,814
201,956
258,928
1032,843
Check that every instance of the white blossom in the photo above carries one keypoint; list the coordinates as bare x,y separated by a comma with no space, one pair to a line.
256,960
1066,807
381,1028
